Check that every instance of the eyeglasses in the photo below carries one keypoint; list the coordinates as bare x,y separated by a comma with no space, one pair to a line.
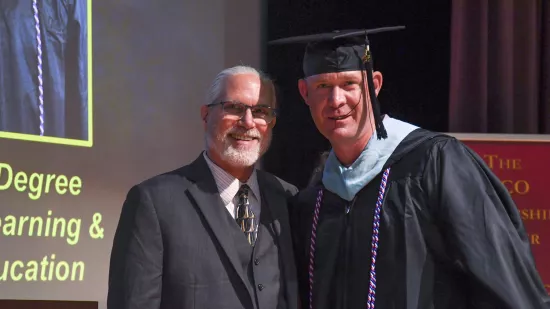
262,114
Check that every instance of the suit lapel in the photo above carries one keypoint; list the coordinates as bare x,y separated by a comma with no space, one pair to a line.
205,194
274,196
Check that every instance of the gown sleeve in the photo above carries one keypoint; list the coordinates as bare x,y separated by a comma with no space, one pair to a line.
298,223
482,229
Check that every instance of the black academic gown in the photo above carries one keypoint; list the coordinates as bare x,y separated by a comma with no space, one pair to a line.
450,237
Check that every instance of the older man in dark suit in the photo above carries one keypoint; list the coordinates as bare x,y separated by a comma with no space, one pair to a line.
214,233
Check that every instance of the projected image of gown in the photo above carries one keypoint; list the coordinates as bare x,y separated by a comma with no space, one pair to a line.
44,68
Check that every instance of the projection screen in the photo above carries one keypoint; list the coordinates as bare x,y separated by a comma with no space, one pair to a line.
96,96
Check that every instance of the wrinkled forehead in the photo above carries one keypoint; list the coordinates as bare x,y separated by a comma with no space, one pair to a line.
336,77
249,89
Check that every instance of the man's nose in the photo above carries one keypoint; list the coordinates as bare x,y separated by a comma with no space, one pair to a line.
247,121
337,97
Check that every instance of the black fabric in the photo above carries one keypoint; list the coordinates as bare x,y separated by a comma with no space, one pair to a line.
333,57
63,28
333,52
341,51
450,237
401,56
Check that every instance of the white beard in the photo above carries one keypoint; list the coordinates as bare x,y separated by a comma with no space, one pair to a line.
240,157
236,156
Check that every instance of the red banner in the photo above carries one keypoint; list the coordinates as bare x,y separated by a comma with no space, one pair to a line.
523,163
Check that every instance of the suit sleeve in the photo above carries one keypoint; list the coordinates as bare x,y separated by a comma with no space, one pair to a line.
135,273
483,230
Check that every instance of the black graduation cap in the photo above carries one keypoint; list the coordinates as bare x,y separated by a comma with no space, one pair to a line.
341,51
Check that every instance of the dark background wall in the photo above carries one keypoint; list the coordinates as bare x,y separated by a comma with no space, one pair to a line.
414,62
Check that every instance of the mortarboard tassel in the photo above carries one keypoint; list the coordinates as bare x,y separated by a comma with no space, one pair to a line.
379,125
336,56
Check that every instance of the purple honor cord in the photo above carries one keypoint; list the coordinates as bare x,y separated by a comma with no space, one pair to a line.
374,241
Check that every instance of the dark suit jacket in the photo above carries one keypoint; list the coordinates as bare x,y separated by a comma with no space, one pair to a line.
170,249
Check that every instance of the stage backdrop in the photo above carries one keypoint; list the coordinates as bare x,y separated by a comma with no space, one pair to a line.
128,76
522,162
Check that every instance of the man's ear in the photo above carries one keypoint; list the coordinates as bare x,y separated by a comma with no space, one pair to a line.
302,87
272,123
377,80
204,114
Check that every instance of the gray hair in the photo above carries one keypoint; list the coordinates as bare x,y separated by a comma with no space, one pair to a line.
216,87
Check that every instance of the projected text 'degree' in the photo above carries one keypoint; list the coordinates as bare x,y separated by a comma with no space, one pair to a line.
38,184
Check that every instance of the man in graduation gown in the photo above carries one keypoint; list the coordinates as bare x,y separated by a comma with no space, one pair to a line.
402,217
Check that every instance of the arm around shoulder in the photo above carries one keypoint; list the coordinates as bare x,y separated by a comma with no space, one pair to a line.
482,228
135,272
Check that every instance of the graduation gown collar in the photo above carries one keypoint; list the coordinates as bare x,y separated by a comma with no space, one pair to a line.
346,182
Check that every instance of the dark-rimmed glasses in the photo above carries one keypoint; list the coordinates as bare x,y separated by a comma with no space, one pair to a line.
234,110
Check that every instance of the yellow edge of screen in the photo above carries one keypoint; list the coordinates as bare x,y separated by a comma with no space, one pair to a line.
67,141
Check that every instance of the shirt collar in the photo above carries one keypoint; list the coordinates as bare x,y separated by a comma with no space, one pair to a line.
228,186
